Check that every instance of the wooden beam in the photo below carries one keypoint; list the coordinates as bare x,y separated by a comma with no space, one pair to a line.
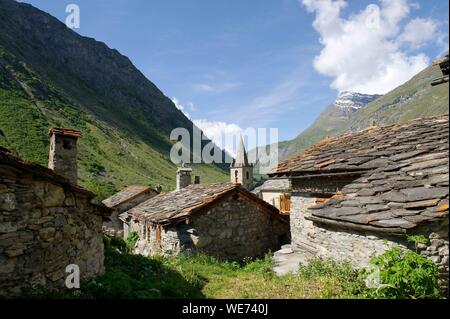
158,237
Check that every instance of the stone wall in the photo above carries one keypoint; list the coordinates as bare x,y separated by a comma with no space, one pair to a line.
234,229
359,247
44,227
113,226
437,249
63,154
172,240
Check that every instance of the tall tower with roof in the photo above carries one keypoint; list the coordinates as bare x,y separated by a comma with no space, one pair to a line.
241,171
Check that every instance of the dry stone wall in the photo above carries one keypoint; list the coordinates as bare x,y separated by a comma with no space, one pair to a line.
44,227
113,226
234,229
359,247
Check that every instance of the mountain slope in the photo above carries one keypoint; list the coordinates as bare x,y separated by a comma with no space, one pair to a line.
415,98
329,122
51,76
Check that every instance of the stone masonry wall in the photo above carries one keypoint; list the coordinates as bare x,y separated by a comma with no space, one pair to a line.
63,156
172,240
43,228
360,247
114,226
234,229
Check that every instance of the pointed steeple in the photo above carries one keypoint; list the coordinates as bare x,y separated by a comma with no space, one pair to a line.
241,155
241,171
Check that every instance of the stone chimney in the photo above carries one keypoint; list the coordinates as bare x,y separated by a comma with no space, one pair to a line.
183,177
62,157
197,180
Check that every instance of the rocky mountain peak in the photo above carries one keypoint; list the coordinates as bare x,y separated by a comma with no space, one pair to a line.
354,100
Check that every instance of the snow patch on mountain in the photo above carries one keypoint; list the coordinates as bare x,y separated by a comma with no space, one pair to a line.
354,100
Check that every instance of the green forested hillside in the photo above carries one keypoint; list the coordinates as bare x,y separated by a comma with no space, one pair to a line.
51,76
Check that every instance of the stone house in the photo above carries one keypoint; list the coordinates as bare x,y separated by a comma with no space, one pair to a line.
47,222
275,192
122,201
222,220
356,195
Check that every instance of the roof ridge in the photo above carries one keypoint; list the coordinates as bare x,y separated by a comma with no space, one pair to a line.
381,133
156,210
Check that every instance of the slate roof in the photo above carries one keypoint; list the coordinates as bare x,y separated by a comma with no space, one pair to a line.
175,206
368,149
64,131
273,185
408,189
6,158
127,194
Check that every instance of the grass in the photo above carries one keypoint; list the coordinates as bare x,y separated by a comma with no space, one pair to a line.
110,156
201,276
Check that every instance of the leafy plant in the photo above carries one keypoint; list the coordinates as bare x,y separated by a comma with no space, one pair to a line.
334,273
417,239
131,240
261,266
326,267
403,274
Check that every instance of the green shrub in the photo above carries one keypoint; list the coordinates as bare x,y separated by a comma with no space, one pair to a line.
114,242
262,266
403,274
417,239
326,267
131,240
120,244
335,272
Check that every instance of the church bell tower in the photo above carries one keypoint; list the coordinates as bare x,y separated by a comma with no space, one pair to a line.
241,171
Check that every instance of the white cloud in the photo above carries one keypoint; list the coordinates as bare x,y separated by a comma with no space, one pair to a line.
221,133
363,52
214,88
418,32
181,107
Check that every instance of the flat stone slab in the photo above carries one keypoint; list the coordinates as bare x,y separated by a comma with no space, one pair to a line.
285,251
288,259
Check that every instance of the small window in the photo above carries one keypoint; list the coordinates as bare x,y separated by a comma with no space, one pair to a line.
236,176
247,175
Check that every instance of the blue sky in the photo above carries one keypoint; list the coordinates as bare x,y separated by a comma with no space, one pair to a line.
236,64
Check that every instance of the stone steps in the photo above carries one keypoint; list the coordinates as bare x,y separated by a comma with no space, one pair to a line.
288,259
308,247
